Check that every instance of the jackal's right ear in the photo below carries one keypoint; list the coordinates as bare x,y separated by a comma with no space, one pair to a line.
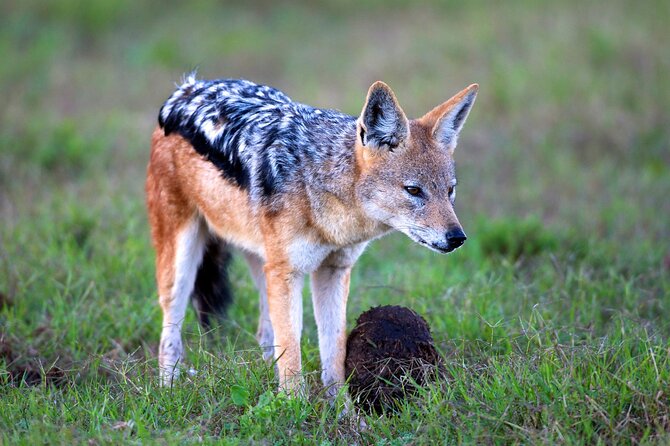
382,122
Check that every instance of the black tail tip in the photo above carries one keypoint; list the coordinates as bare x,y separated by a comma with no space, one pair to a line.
211,293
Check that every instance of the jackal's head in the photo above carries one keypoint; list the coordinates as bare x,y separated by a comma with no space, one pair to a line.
407,174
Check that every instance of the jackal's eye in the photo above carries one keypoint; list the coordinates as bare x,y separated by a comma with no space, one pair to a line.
413,190
451,190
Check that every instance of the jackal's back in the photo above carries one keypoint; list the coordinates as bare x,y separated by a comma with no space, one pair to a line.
254,134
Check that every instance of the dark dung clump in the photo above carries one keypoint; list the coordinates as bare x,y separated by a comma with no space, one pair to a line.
389,353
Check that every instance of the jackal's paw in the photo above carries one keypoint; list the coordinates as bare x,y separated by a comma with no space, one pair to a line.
339,399
168,375
294,386
170,353
352,416
331,392
266,340
268,352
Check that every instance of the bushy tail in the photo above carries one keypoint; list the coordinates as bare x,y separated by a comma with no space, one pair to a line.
211,293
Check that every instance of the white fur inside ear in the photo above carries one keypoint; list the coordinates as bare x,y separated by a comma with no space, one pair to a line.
446,134
387,122
449,126
383,122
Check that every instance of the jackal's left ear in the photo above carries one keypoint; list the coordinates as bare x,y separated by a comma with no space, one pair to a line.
447,119
382,122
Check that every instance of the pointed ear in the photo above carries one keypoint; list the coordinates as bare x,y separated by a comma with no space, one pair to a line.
447,119
382,122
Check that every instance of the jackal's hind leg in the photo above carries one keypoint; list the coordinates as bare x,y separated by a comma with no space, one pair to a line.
265,334
187,255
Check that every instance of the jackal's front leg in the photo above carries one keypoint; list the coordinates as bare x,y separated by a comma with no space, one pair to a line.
330,290
284,291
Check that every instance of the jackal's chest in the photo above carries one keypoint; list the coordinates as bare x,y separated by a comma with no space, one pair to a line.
307,254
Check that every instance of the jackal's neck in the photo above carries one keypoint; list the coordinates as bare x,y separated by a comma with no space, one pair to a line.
331,182
332,166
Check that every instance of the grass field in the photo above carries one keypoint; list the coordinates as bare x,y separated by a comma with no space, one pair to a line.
553,317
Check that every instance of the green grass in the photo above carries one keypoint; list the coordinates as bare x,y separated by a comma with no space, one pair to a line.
553,317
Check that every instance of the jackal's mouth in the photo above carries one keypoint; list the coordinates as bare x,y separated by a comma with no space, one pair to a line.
432,246
417,235
442,248
438,248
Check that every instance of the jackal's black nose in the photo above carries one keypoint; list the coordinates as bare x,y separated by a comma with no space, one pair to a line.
455,238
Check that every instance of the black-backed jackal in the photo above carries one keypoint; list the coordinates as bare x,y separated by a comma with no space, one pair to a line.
297,190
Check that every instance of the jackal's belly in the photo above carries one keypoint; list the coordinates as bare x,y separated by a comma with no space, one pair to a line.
222,204
229,215
248,240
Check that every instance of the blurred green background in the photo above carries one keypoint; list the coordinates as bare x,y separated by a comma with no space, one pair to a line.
571,124
563,165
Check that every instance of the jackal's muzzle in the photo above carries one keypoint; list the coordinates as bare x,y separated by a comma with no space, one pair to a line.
454,238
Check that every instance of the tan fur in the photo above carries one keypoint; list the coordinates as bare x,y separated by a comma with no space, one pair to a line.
315,232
